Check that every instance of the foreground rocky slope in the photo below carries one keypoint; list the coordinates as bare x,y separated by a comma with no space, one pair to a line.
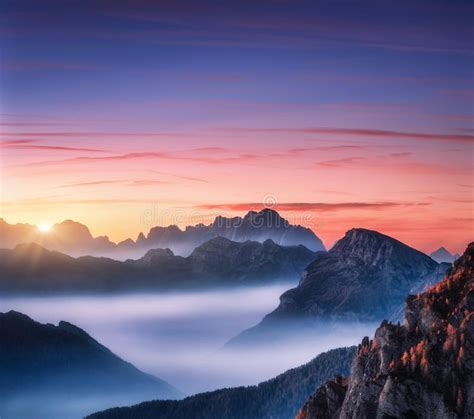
219,262
75,239
60,371
421,369
278,398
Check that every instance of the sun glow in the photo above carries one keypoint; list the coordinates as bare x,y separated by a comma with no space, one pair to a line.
44,227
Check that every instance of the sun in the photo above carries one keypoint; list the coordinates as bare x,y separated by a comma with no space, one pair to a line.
44,227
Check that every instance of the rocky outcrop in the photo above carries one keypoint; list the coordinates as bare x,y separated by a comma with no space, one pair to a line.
327,401
75,239
219,262
421,369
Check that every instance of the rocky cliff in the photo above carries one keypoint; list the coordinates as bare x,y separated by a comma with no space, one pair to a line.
421,369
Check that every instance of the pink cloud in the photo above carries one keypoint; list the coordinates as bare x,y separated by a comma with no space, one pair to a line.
359,132
29,145
397,162
311,206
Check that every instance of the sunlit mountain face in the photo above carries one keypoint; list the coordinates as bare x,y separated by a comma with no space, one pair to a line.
204,195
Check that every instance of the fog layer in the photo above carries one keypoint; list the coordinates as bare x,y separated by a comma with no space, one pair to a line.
179,336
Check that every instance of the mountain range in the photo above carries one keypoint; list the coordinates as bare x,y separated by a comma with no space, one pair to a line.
75,239
278,398
365,276
218,262
421,369
49,371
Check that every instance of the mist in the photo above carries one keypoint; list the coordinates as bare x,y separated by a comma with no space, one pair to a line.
179,336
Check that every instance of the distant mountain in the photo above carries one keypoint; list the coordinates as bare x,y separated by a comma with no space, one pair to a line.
218,262
442,255
366,276
75,239
68,237
423,369
278,398
60,371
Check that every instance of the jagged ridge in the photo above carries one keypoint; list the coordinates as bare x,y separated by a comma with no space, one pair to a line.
75,239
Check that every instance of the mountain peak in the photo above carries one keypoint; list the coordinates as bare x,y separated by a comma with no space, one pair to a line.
374,247
360,235
158,254
13,315
31,248
271,217
443,255
140,238
74,226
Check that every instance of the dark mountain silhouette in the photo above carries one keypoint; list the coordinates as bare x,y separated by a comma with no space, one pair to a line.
278,398
75,239
366,276
422,369
442,255
219,262
60,371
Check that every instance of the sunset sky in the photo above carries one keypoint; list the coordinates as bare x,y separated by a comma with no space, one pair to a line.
123,115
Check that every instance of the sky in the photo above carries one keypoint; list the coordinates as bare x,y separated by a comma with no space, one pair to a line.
124,115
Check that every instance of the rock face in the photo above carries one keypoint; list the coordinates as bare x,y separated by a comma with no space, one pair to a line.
278,398
75,239
327,401
366,275
219,262
421,369
60,371
442,255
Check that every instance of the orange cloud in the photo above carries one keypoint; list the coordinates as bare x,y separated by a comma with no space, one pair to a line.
181,156
139,182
